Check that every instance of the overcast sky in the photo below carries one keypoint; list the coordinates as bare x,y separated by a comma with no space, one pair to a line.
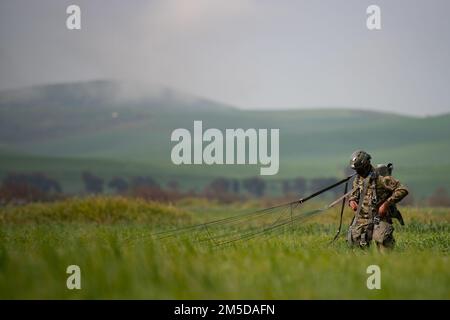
248,53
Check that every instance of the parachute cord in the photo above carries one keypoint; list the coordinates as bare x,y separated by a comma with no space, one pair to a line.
342,213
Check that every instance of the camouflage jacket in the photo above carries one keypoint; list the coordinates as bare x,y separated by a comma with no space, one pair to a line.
380,189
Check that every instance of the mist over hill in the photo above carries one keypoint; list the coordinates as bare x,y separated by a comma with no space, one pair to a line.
47,111
105,93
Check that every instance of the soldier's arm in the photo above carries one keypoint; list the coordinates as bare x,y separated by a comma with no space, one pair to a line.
354,196
399,191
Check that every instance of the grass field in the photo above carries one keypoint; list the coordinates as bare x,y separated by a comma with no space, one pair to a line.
109,239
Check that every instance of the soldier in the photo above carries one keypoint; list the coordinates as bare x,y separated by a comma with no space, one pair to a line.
372,198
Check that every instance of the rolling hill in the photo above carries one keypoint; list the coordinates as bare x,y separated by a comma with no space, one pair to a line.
107,128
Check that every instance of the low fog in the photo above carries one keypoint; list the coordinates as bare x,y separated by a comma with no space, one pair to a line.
246,53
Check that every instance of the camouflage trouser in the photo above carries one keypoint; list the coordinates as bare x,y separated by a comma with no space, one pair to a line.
383,234
362,232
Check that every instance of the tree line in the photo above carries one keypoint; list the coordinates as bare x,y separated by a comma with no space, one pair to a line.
31,187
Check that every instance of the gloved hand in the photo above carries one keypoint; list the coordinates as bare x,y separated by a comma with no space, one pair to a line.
376,220
353,204
383,209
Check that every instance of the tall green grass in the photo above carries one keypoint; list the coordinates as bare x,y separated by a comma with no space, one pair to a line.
109,238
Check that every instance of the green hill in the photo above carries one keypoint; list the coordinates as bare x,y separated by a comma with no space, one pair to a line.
65,128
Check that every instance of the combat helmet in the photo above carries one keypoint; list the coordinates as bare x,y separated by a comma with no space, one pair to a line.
360,160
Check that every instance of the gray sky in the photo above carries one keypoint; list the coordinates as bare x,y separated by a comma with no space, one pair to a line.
248,53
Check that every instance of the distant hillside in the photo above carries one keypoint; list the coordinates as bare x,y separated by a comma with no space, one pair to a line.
105,122
107,94
47,111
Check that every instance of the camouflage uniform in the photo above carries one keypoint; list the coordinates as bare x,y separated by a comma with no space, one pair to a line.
379,189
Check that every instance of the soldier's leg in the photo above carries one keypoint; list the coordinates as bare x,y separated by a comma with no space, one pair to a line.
353,235
359,235
383,235
366,236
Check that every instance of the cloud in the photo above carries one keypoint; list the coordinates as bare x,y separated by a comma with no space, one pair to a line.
249,53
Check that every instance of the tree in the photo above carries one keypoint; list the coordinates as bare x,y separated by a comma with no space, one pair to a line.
219,185
286,187
92,183
147,188
27,187
37,179
173,185
439,198
150,193
235,186
144,181
256,186
299,185
120,185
